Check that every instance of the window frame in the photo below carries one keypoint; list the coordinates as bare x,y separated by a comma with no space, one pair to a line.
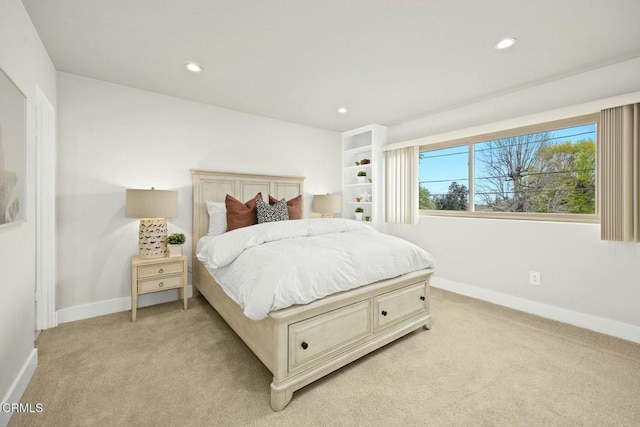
523,130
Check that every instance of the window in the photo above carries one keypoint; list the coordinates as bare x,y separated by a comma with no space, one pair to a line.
533,171
444,178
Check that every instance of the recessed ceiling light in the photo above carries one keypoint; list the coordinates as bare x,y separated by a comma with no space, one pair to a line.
193,67
342,110
505,43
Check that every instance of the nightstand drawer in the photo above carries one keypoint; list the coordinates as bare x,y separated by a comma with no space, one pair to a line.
159,284
160,269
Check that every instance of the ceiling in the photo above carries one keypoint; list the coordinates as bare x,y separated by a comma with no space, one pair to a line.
386,61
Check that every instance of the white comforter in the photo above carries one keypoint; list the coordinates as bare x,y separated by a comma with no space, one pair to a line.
274,265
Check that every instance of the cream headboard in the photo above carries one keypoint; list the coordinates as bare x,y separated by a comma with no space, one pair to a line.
213,186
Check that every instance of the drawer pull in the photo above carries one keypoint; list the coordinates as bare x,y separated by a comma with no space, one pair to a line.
160,284
304,345
384,313
161,271
422,298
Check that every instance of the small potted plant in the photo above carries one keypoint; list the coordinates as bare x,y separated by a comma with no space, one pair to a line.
362,177
359,211
174,244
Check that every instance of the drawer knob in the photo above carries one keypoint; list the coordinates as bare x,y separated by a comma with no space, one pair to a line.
304,345
422,298
161,271
160,284
384,313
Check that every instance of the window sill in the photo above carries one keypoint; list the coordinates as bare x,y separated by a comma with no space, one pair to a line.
576,218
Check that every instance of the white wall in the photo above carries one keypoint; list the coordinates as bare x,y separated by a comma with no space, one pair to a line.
585,281
24,59
113,137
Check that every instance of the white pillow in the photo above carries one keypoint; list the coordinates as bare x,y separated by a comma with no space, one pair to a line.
217,218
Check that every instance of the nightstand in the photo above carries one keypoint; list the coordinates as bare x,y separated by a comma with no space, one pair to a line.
155,275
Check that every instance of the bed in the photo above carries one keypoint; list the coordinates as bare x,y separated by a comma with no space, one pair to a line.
302,343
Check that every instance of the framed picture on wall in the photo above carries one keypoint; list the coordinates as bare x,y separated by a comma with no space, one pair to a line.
12,152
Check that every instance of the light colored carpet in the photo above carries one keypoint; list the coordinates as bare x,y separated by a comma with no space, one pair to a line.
480,365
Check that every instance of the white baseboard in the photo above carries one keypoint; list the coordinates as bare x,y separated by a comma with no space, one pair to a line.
85,311
587,321
575,318
19,385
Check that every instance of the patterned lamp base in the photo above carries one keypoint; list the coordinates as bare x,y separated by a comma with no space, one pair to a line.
153,237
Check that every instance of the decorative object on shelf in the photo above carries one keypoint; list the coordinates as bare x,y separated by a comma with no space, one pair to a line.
153,207
174,244
365,161
327,204
366,196
359,212
367,218
357,163
370,181
362,177
358,199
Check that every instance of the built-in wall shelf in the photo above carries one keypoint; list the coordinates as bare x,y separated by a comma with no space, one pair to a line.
359,144
357,150
358,167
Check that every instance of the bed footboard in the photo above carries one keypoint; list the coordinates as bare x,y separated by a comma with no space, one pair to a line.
349,326
303,343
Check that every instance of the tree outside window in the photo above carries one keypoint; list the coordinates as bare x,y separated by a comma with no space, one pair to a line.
542,172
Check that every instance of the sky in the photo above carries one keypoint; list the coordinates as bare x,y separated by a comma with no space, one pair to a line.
440,167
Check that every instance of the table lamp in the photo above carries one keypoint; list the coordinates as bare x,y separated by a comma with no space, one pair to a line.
152,207
327,204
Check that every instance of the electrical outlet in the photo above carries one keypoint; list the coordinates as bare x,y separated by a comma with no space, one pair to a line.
534,278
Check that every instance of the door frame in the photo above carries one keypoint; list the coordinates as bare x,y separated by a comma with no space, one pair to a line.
45,297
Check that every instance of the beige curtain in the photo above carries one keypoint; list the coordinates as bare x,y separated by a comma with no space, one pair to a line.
619,173
401,186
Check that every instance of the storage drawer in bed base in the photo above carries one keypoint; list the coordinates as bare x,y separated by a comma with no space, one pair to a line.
323,336
277,340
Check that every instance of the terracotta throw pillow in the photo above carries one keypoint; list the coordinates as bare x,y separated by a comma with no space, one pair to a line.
294,206
241,214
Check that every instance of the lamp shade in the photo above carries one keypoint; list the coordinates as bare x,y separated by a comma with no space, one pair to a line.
151,203
327,203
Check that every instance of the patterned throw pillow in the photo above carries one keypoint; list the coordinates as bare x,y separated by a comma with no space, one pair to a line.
294,206
277,212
